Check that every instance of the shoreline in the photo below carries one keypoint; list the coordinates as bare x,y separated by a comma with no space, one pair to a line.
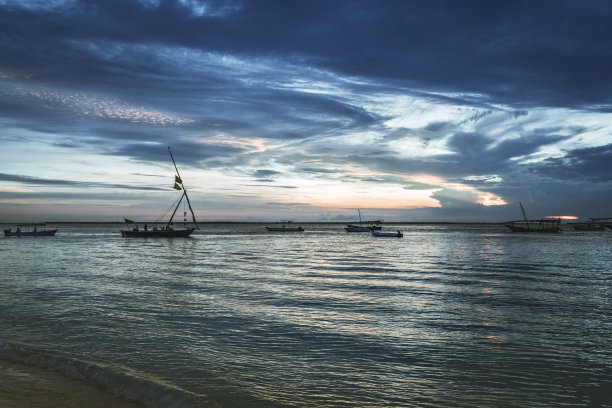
23,385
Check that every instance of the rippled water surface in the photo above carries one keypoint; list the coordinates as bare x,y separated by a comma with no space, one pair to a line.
448,315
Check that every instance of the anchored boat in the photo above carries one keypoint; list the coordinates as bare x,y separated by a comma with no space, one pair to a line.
552,225
396,234
595,224
364,226
30,230
285,228
158,229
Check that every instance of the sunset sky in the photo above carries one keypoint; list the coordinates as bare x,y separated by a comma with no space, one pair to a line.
307,110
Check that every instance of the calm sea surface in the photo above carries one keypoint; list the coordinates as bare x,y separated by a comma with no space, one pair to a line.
235,316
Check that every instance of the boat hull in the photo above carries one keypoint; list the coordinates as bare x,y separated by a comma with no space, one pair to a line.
589,227
517,228
46,233
281,229
546,226
184,233
355,228
387,234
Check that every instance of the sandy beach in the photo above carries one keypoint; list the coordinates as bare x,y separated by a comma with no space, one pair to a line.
27,386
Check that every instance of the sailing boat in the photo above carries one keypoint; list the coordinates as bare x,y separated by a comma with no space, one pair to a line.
543,225
165,231
369,225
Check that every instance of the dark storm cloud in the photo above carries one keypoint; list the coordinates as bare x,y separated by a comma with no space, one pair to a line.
523,52
35,181
472,154
592,164
185,152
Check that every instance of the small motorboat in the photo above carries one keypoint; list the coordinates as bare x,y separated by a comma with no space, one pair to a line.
396,234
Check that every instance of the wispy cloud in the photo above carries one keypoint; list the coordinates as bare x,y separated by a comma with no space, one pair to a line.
35,181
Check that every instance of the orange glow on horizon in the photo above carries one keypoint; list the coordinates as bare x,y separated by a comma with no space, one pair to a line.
563,217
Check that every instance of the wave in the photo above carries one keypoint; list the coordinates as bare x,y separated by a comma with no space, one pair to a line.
121,381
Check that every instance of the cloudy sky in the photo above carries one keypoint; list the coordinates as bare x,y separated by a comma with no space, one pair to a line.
409,110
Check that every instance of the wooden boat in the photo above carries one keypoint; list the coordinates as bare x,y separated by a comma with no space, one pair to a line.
589,227
544,225
364,226
167,230
397,234
30,230
594,224
285,228
356,228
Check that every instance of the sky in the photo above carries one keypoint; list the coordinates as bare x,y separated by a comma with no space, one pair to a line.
306,110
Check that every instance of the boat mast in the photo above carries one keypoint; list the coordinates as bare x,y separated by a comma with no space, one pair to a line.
524,216
184,190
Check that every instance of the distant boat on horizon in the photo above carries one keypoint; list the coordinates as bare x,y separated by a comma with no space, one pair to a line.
593,224
364,226
30,230
396,234
543,225
285,228
165,231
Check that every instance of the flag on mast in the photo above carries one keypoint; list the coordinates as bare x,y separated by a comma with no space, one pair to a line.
176,187
178,180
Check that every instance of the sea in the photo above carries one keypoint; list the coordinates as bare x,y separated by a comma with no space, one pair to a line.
450,315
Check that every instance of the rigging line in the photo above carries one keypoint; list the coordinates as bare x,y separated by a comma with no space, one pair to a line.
166,211
163,214
176,208
184,189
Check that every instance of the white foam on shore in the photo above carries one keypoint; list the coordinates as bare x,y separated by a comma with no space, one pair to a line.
121,381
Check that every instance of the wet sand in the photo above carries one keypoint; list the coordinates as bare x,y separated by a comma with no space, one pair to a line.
33,387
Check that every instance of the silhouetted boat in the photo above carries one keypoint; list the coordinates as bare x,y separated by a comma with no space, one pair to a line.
364,226
285,228
167,230
593,225
30,230
588,227
397,234
552,225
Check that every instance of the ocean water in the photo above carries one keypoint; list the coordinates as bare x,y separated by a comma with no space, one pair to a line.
235,316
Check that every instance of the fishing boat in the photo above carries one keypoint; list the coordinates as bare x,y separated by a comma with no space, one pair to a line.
30,230
396,234
285,228
594,224
544,225
589,227
159,229
364,226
